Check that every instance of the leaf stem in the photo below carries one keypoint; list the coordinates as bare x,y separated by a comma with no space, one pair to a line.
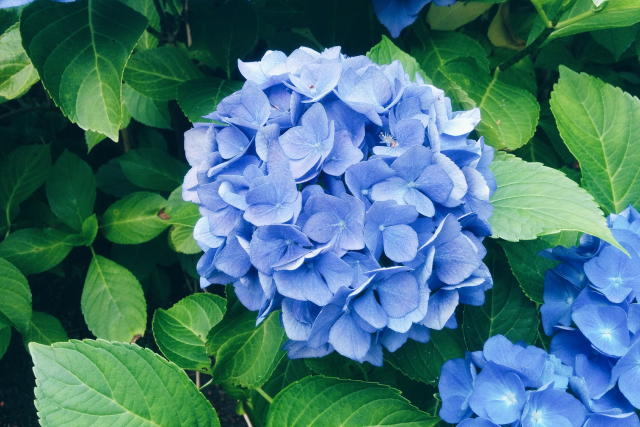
575,18
207,384
264,394
247,419
527,50
543,15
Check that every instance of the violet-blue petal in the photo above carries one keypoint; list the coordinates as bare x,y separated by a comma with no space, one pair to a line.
498,395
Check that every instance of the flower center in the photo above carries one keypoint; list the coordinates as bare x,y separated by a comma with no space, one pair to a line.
616,282
509,398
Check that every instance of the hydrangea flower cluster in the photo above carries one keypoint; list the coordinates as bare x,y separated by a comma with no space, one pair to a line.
345,194
514,384
591,308
396,15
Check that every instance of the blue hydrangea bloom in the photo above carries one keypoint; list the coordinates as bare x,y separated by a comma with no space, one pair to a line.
398,14
592,311
345,195
5,4
509,383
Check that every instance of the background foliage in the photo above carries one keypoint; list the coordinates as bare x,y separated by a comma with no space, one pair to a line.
96,242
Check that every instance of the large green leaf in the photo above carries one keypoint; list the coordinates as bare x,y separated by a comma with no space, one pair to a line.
100,383
385,52
136,218
506,311
153,169
181,331
245,354
45,329
17,74
82,69
449,18
509,114
15,296
157,73
459,65
146,110
438,48
34,250
317,401
533,200
71,190
200,97
112,301
583,16
601,126
22,171
422,362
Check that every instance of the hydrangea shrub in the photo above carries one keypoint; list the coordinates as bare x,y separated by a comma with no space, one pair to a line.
203,223
346,194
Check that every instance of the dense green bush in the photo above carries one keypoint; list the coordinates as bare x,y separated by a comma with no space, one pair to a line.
96,241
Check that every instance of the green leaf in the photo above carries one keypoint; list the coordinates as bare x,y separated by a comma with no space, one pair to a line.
71,190
438,48
616,40
583,16
136,218
5,337
146,110
153,169
92,139
200,97
89,230
183,217
82,69
600,124
228,31
385,52
45,329
98,383
533,200
322,401
528,266
509,114
34,250
181,331
112,301
22,171
459,65
15,296
158,72
506,310
148,9
17,74
181,240
447,18
422,362
245,354
111,180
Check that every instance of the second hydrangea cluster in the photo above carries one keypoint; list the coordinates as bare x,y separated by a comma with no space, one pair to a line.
514,384
591,308
345,194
